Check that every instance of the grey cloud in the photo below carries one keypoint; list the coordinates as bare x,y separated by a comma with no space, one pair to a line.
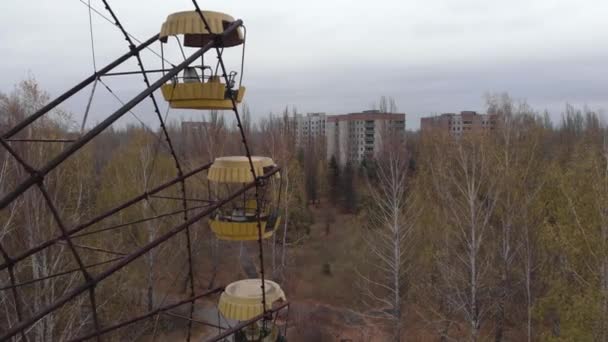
339,56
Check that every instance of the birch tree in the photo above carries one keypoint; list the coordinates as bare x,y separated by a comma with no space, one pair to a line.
278,137
28,222
391,220
516,165
134,169
465,190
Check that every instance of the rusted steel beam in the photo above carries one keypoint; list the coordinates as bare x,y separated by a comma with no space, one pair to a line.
169,313
127,224
247,151
71,149
32,281
147,315
103,216
42,140
181,199
77,88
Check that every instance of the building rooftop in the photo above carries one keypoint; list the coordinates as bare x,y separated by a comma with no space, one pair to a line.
367,115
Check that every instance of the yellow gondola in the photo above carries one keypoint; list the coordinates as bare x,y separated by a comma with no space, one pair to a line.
237,220
242,300
191,91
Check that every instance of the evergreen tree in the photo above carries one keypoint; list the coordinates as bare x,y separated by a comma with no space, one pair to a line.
348,189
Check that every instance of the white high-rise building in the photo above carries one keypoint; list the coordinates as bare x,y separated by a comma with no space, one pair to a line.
309,127
356,136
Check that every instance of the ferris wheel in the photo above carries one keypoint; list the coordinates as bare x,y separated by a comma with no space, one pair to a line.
242,202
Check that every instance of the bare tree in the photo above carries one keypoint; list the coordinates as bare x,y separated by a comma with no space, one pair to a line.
392,105
383,104
29,221
278,137
466,193
214,135
387,240
602,209
386,105
246,120
517,165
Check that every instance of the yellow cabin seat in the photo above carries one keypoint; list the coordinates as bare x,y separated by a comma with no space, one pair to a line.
200,95
241,231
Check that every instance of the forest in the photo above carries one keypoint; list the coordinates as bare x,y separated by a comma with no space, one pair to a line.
497,236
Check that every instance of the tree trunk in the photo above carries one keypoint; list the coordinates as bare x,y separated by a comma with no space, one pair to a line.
285,224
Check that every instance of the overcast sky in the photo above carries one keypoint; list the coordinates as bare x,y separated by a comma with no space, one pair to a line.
338,56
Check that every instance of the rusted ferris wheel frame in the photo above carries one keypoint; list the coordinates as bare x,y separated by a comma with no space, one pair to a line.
128,259
36,177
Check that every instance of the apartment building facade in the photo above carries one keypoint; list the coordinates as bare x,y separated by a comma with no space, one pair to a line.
309,127
356,136
458,125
